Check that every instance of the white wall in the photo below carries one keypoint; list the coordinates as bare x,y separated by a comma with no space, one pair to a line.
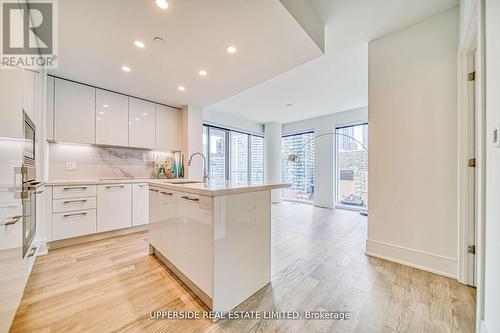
324,149
413,145
272,157
223,119
492,241
192,140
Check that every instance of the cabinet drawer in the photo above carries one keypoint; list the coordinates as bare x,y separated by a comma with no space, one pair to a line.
72,204
74,224
79,191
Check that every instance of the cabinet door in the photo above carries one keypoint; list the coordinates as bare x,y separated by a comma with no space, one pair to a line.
111,118
140,204
141,123
163,211
49,106
29,94
114,207
167,124
74,112
11,103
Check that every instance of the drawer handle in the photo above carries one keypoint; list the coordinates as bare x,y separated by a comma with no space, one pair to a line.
39,192
190,198
115,186
32,252
75,188
12,221
166,193
77,214
74,201
153,190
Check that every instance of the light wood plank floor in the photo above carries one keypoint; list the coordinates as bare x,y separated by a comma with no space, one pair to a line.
318,264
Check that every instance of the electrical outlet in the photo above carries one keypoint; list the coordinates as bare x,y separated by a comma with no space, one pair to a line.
496,138
70,165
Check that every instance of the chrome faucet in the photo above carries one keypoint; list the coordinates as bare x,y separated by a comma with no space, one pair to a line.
205,175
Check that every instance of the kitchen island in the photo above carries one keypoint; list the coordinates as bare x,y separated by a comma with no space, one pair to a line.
215,237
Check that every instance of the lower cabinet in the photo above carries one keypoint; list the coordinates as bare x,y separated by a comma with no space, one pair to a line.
114,207
140,204
73,224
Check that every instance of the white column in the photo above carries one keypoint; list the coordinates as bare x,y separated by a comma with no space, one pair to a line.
272,157
192,140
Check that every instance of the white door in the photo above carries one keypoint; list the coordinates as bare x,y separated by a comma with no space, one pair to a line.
111,118
141,123
140,204
167,124
74,112
114,207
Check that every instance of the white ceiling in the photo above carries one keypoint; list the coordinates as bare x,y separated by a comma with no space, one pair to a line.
338,80
96,38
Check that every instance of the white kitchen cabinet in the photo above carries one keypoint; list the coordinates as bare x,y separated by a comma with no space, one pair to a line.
29,94
11,103
141,123
74,191
74,112
167,125
114,207
162,215
73,224
140,204
111,118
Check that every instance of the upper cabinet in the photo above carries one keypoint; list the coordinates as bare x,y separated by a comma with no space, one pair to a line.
74,112
49,106
141,123
111,118
167,124
29,94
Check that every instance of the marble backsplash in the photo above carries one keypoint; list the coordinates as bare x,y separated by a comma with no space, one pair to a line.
94,162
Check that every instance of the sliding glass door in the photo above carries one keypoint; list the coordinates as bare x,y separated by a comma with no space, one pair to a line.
352,166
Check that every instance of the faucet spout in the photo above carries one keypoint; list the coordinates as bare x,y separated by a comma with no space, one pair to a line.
205,174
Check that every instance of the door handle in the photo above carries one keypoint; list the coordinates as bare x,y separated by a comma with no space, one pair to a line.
12,221
76,214
74,201
190,198
75,188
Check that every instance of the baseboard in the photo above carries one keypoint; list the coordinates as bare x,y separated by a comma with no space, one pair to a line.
483,328
95,237
414,258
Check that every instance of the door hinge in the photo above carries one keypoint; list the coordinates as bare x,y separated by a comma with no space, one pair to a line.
472,163
471,249
472,76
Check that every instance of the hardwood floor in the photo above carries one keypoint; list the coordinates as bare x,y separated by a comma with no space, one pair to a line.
318,265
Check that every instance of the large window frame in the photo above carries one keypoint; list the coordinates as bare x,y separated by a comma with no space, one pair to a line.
338,204
207,128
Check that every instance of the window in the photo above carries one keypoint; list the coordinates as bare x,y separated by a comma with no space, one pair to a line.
233,155
300,174
352,166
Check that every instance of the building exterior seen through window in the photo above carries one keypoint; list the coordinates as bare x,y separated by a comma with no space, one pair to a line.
352,166
233,155
300,174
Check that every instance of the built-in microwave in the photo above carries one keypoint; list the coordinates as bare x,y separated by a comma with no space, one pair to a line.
29,132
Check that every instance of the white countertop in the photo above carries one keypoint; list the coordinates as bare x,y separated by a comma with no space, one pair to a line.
213,188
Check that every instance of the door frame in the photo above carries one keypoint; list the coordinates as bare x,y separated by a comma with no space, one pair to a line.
472,41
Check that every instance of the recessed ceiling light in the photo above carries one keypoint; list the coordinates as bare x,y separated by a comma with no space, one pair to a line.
105,106
231,49
181,88
144,114
136,119
139,44
202,72
126,68
98,118
162,4
130,123
100,112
